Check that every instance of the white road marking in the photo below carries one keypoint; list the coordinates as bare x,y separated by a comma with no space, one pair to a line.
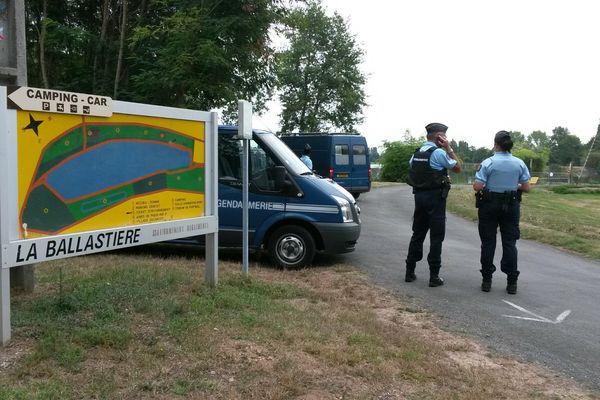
537,318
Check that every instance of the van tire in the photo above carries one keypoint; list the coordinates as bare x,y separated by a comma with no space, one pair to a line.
291,247
356,195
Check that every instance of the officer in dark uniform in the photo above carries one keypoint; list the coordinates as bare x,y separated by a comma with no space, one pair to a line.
499,182
428,175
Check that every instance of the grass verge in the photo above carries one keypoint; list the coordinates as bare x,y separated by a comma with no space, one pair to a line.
567,220
133,326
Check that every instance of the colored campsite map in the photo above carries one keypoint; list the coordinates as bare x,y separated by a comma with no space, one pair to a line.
80,173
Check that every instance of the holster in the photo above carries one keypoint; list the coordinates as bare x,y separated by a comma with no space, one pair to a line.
445,190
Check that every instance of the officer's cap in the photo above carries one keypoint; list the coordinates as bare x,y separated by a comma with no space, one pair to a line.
501,136
436,127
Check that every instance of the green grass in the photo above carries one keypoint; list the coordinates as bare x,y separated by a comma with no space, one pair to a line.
132,310
126,326
564,217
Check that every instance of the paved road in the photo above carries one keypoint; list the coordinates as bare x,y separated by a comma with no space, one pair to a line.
551,282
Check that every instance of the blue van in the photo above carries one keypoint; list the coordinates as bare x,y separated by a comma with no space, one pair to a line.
293,213
343,157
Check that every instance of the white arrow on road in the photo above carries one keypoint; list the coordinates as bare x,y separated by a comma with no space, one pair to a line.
536,317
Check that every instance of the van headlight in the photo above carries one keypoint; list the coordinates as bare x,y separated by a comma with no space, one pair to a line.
345,208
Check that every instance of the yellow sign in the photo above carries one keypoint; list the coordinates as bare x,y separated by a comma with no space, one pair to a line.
80,173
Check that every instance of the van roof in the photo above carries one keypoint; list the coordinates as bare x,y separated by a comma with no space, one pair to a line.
317,133
232,129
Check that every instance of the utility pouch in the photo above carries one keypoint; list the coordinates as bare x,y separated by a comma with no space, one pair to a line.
478,198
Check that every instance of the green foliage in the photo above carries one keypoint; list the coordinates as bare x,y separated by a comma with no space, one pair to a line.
394,160
319,76
538,141
518,138
374,154
593,161
205,55
535,160
196,54
565,148
469,154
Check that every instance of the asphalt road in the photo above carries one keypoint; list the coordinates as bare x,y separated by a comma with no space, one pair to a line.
551,283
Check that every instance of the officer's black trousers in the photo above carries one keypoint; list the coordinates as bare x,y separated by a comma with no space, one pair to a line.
430,215
496,213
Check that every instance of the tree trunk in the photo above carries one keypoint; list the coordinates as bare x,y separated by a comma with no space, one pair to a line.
42,44
121,46
100,43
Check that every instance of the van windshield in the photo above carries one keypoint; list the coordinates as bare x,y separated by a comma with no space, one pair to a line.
291,161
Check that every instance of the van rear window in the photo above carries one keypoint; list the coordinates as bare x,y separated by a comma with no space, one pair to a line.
342,154
359,154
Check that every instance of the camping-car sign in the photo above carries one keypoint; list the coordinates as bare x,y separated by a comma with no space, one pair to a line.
56,101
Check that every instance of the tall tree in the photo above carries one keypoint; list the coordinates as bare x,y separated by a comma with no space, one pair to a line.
205,54
319,77
518,138
187,53
538,140
565,148
374,154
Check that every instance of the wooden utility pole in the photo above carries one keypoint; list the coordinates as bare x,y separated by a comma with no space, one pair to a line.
13,71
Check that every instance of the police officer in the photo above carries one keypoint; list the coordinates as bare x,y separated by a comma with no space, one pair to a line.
499,182
306,156
428,175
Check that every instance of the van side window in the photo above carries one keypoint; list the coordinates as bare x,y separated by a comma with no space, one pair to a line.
230,160
261,165
262,169
342,154
359,154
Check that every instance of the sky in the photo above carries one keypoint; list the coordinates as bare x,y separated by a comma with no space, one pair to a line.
478,66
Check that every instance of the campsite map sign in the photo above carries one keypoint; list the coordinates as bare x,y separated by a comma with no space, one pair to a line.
81,174
87,183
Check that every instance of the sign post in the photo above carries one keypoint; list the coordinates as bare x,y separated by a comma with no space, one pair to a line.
110,176
245,133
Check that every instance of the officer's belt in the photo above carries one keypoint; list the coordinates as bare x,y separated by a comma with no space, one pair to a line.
426,190
503,195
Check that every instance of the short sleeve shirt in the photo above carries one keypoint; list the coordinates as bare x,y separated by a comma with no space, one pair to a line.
439,158
502,172
307,161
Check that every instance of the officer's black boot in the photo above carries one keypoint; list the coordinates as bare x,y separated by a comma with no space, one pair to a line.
435,280
434,277
410,273
511,282
486,284
511,287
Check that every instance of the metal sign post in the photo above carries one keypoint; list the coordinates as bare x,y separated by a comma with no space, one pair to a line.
4,272
245,133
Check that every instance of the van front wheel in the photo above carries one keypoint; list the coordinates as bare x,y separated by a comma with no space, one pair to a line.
291,246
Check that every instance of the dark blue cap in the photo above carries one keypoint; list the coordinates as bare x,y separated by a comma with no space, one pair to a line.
436,127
